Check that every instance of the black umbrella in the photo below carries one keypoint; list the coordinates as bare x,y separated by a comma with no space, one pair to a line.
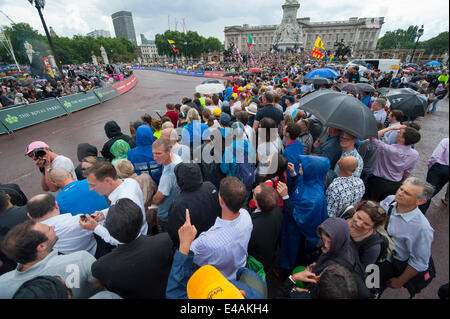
366,87
230,73
411,65
318,80
383,90
341,111
211,81
248,73
408,101
417,78
434,73
364,80
350,88
413,85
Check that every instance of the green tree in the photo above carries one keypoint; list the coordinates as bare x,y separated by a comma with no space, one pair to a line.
404,39
438,44
190,44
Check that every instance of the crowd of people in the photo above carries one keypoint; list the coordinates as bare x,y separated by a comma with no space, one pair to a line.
75,79
239,194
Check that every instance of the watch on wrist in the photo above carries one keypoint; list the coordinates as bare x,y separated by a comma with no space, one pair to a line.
48,170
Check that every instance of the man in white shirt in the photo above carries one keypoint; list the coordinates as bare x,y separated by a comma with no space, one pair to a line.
47,160
37,256
102,177
290,109
395,117
225,244
168,188
44,209
378,110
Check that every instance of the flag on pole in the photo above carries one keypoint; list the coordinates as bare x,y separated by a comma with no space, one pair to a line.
172,44
317,54
251,55
250,41
319,43
237,52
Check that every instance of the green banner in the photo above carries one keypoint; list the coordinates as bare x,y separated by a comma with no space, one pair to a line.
78,101
106,93
22,116
3,129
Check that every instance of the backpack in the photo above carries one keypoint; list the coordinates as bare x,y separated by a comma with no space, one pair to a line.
152,168
245,172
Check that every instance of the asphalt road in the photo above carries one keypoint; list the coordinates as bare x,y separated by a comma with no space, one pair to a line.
152,92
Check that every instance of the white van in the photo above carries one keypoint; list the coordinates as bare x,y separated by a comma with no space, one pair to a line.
384,65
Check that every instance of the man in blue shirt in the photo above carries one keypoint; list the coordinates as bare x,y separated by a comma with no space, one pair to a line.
75,196
331,148
412,235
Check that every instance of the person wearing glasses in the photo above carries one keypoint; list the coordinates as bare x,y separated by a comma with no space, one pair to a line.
46,160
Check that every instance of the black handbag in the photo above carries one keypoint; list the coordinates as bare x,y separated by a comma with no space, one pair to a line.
418,282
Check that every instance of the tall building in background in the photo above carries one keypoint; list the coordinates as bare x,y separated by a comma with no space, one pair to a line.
99,33
123,25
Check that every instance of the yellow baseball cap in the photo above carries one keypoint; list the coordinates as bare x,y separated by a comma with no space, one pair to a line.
208,283
240,89
217,111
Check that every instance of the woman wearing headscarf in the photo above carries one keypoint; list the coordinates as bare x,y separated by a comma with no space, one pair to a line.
305,209
337,248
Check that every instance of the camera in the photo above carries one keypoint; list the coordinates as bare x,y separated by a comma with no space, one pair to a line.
39,152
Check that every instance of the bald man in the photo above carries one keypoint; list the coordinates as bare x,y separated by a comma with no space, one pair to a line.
75,196
44,209
346,189
179,149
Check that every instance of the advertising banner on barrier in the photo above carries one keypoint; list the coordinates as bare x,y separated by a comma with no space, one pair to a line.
78,101
3,129
125,85
106,93
22,116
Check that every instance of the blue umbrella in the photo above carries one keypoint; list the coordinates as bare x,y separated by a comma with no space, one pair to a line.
434,63
323,73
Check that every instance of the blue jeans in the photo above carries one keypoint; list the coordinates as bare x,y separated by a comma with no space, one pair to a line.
434,106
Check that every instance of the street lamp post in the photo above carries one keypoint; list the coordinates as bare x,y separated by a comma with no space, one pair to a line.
419,34
39,4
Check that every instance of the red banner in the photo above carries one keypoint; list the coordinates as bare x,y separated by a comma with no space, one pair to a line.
125,85
216,74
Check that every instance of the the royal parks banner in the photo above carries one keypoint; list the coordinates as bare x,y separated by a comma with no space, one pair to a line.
15,118
79,101
107,93
18,117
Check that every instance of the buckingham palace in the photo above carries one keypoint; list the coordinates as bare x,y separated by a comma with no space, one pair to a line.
361,33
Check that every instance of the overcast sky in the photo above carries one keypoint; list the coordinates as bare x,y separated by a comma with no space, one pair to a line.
209,18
